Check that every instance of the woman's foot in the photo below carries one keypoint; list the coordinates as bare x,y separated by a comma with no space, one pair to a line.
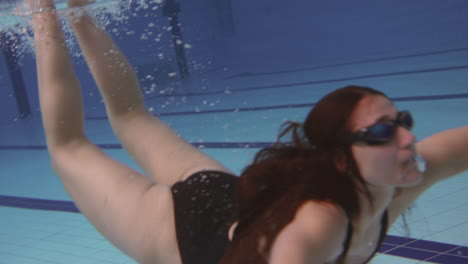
40,6
77,3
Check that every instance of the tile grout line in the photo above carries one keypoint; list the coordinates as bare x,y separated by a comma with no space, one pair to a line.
444,253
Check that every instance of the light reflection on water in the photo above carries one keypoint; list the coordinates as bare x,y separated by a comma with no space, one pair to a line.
16,33
14,12
117,17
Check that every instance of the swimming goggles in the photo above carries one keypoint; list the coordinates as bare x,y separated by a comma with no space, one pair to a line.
382,132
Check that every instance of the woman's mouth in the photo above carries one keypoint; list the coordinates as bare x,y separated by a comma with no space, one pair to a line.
418,161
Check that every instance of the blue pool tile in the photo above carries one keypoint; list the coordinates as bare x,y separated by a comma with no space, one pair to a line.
38,204
448,259
432,245
460,251
396,240
386,247
412,253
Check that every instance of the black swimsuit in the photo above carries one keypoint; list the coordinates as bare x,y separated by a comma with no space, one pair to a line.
205,209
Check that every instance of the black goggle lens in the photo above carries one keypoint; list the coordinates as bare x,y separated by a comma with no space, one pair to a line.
383,132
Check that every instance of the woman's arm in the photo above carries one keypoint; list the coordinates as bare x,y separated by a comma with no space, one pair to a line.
130,210
446,155
159,151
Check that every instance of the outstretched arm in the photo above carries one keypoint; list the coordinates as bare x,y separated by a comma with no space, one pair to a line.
446,155
130,210
159,151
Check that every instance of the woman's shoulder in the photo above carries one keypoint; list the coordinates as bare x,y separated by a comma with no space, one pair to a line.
321,218
321,209
317,230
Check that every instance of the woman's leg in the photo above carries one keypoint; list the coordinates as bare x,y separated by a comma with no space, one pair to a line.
130,210
160,152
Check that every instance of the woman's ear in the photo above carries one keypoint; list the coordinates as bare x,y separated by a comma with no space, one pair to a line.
341,160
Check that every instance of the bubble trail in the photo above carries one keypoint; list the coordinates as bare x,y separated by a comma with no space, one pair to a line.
16,32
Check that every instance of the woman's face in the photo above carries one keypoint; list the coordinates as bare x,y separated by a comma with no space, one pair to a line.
391,164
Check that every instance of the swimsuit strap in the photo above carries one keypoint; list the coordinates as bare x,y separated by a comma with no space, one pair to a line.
349,235
347,242
383,232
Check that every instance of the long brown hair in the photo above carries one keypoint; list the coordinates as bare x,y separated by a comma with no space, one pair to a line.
284,176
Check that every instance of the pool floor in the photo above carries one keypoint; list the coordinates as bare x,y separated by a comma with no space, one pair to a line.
37,219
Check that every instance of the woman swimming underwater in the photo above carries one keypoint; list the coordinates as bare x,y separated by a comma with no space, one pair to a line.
326,195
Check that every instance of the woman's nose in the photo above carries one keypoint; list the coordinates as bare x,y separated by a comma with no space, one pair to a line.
406,138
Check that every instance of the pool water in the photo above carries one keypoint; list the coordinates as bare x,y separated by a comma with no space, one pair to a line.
250,65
